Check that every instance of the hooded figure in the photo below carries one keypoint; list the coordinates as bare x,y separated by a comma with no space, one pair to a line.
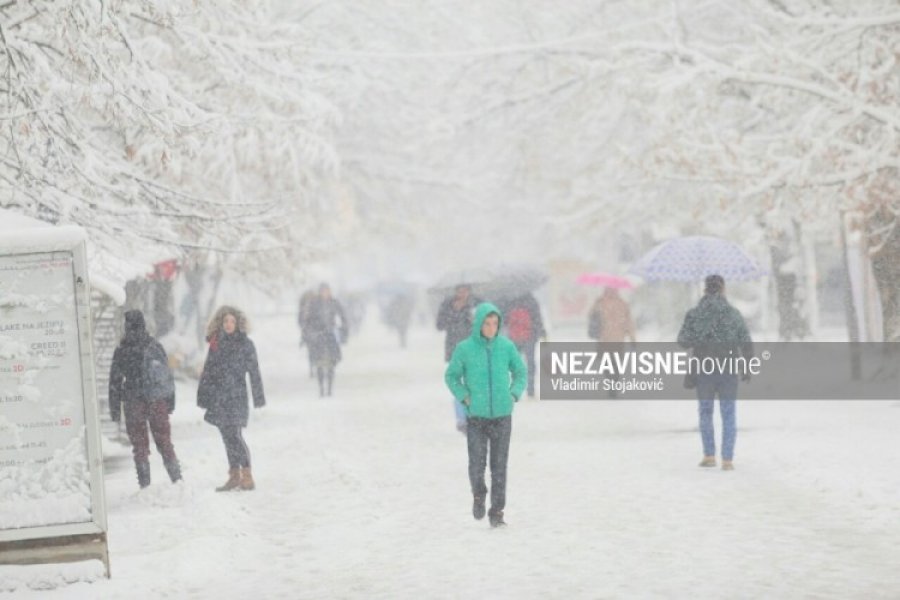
487,376
223,390
128,384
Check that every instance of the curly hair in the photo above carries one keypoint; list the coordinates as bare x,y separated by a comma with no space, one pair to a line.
218,321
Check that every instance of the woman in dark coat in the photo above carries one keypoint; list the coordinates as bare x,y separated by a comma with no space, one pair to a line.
223,390
324,348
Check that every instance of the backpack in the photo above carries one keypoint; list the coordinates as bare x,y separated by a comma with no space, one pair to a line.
518,325
159,383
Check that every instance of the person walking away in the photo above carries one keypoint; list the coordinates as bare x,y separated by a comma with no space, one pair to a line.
715,328
524,326
487,376
613,324
398,314
222,391
324,313
455,318
140,379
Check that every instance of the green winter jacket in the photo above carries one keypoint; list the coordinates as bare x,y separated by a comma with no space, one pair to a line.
714,327
480,370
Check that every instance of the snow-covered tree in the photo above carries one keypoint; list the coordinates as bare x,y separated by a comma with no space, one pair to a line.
186,125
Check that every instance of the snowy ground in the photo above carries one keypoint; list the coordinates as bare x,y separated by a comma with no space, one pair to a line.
365,495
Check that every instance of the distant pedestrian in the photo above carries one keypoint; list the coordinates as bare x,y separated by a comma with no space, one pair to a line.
525,326
455,318
325,336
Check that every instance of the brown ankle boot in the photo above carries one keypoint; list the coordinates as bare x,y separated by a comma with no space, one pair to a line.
234,480
247,479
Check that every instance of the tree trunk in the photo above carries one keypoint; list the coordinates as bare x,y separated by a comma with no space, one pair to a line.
850,307
886,269
788,273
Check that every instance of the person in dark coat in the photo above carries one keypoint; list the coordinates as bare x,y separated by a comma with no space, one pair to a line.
455,317
524,326
714,328
325,349
127,386
223,390
398,314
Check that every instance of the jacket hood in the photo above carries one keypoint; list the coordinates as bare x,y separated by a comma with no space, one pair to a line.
216,323
481,313
135,328
134,321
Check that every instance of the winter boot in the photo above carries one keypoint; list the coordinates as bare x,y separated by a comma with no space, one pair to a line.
247,483
174,470
496,519
234,480
143,473
478,507
330,378
727,465
708,461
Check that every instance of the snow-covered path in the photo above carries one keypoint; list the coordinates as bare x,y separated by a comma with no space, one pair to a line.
365,495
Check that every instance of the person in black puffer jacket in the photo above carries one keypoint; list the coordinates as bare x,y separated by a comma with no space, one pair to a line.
127,386
223,390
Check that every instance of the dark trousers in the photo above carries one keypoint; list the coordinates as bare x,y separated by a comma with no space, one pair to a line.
235,446
527,348
139,414
489,436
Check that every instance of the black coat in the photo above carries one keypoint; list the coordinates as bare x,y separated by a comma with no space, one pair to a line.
223,383
457,323
320,331
126,373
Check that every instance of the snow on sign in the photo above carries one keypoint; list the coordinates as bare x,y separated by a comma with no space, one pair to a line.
51,481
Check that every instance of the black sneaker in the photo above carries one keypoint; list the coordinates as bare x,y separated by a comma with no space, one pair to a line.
478,507
496,519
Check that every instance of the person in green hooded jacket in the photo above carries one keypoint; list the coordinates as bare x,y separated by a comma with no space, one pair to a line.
714,328
487,376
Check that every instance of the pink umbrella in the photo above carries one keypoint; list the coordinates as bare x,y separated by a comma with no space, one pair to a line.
605,280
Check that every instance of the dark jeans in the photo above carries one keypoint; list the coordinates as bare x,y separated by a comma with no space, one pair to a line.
138,414
235,446
481,434
527,348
